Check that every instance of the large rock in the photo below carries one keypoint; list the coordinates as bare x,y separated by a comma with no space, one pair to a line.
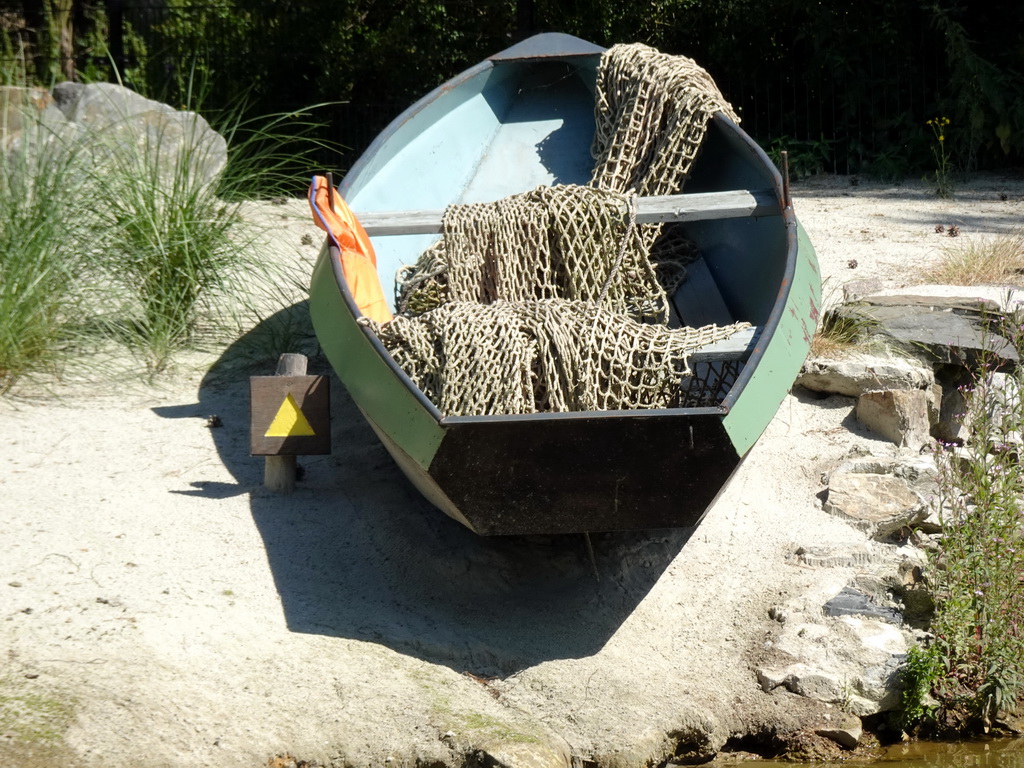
899,415
166,140
849,661
881,496
958,298
845,730
27,115
853,602
855,375
953,329
505,753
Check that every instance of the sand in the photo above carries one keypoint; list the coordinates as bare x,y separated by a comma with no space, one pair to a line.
159,607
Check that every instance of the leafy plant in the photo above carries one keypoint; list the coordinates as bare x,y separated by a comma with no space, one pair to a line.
974,667
134,230
178,244
921,669
986,99
806,157
943,158
167,239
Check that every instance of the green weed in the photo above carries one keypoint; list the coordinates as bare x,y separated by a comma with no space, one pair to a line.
807,157
943,157
974,666
33,717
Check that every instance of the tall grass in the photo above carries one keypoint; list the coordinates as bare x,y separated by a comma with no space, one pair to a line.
142,213
44,229
998,261
168,235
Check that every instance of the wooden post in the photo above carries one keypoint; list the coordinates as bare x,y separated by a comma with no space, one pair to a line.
279,471
787,201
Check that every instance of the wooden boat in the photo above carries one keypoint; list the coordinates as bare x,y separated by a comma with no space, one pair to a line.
522,118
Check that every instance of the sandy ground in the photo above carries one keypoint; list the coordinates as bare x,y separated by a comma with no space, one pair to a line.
158,607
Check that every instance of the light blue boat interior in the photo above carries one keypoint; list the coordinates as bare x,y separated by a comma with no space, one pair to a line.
504,128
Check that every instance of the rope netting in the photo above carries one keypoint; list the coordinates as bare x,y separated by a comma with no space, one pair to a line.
556,299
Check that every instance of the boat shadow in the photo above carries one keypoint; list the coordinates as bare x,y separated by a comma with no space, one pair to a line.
357,553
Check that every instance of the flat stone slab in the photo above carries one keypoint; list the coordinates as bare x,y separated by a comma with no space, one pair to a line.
855,375
952,330
1004,298
853,602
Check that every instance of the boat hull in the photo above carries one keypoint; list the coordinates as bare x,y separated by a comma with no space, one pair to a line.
565,472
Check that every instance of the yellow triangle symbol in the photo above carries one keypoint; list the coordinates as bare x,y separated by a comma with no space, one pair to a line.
289,421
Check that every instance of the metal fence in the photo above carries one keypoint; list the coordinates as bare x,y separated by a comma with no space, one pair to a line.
870,117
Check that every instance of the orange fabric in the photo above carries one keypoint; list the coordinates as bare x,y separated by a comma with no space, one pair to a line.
358,259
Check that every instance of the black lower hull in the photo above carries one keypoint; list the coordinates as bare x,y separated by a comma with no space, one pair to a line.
578,474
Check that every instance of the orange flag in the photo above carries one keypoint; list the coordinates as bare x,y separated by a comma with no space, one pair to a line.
358,260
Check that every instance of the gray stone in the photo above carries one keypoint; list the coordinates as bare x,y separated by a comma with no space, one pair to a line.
849,661
1004,298
130,123
29,118
521,754
837,556
853,602
853,376
949,336
845,730
960,304
66,96
897,415
803,680
858,289
878,504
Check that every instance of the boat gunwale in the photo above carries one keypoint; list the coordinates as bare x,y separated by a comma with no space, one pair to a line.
720,410
789,271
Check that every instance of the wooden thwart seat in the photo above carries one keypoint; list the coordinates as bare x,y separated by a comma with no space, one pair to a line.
736,347
700,206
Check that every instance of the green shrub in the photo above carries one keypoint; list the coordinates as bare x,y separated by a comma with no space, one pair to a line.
974,666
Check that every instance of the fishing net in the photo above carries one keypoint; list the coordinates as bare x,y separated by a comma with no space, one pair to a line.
556,299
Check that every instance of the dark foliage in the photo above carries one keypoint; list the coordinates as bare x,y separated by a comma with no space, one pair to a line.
843,86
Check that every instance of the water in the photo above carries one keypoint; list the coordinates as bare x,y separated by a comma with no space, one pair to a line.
997,753
991,753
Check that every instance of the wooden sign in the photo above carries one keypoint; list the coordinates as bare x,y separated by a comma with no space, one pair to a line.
289,415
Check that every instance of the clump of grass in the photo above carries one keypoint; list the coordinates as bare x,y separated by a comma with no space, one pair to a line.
134,229
44,231
169,242
839,331
974,667
180,241
998,261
